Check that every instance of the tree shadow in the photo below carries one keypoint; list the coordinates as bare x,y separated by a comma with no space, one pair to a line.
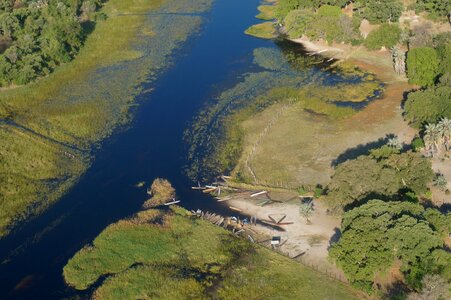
362,149
396,290
88,27
334,238
445,208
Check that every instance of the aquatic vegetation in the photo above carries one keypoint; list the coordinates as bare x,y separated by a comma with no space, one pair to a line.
72,110
264,30
290,78
162,253
267,12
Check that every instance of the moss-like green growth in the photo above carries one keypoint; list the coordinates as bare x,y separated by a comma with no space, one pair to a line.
264,30
267,12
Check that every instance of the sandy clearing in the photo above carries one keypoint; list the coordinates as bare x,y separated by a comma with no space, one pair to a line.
311,239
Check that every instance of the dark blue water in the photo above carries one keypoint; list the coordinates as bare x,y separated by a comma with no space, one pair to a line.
33,257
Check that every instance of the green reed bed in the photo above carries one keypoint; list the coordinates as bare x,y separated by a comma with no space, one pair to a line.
82,102
287,78
172,255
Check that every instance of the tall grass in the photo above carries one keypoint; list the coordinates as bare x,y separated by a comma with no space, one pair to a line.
183,257
82,102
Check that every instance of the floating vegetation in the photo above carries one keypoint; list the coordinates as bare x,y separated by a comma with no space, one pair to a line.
288,76
264,30
82,102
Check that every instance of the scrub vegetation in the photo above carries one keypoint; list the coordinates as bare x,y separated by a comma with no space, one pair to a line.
163,254
74,108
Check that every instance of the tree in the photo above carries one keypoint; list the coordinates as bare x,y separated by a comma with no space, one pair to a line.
432,138
399,60
306,211
381,11
445,130
434,288
377,233
387,35
436,7
429,105
422,66
385,172
438,136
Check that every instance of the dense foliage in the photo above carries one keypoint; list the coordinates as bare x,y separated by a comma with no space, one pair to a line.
378,233
429,105
388,35
37,36
422,66
440,8
379,11
327,23
285,6
384,173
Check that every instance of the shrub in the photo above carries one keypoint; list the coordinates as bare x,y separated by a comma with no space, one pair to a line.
417,144
377,233
388,35
429,105
422,66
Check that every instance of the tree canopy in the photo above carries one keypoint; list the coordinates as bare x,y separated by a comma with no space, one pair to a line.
383,174
388,35
422,66
377,233
380,11
429,105
40,35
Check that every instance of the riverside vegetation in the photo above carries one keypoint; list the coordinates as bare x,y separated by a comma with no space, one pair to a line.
50,127
169,253
381,187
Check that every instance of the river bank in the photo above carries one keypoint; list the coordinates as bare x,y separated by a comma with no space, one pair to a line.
53,128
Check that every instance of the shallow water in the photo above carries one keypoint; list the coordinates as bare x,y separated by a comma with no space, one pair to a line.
151,146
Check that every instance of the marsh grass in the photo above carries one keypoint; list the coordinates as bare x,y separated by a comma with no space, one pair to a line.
267,12
289,78
82,102
264,30
189,258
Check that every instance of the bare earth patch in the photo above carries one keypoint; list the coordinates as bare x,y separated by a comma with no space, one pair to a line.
308,242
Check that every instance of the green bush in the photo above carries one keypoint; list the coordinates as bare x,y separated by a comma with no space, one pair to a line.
429,105
422,66
417,144
297,21
329,11
388,175
388,35
376,234
377,11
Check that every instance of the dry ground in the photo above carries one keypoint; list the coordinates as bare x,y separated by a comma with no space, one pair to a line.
313,239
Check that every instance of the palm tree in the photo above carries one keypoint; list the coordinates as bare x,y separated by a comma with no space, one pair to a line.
445,129
432,137
394,143
399,60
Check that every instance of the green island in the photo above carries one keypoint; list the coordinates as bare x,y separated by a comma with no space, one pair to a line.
50,127
172,254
